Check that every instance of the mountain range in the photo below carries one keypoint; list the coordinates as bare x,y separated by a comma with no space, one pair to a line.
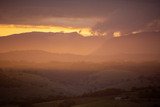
62,43
72,47
57,65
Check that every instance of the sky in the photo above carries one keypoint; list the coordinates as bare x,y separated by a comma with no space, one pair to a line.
87,17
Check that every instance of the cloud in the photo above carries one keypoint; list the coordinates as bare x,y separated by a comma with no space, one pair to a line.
31,11
131,17
104,16
153,26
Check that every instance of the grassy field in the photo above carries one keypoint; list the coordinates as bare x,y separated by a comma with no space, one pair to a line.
97,102
109,103
93,102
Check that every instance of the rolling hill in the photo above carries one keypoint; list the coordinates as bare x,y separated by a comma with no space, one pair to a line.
38,56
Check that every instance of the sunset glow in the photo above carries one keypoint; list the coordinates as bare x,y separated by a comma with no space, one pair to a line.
117,34
79,53
16,29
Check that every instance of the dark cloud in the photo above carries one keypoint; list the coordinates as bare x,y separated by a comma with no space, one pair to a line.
131,17
119,15
54,8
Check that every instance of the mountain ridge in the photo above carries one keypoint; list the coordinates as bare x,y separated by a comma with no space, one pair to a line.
72,43
134,43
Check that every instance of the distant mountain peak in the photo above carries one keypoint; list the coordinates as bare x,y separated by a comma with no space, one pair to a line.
45,35
53,42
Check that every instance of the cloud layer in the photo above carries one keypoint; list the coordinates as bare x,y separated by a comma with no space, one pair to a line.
104,16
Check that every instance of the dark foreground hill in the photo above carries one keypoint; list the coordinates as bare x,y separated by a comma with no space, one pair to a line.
37,85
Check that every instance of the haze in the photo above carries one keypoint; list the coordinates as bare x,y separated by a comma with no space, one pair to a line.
79,53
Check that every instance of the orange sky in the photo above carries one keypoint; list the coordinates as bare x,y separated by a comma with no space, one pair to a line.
16,29
117,17
9,29
82,26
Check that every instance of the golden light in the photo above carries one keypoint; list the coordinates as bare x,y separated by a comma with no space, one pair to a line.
135,32
117,34
6,30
